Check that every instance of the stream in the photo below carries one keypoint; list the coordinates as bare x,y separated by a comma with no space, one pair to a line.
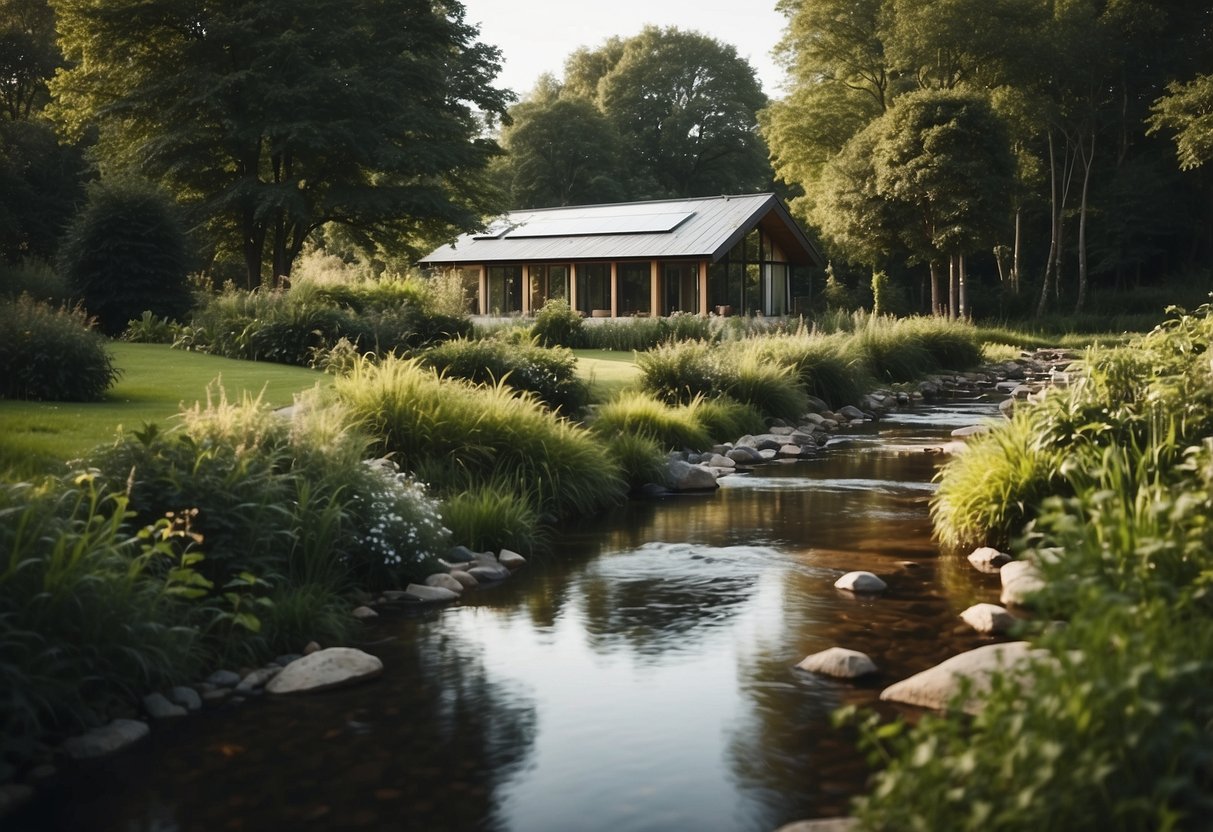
642,677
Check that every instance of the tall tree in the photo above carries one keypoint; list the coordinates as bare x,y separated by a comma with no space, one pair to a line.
560,151
28,56
274,118
685,107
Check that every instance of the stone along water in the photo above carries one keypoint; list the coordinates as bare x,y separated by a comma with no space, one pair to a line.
641,679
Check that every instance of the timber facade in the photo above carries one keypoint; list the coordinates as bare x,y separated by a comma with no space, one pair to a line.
726,255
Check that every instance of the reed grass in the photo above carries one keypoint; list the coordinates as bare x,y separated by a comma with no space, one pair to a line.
636,413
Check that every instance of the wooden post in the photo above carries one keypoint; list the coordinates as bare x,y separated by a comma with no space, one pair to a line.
654,289
573,286
526,289
482,302
703,287
614,289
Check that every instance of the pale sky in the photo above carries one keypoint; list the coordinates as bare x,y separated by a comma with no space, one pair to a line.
535,36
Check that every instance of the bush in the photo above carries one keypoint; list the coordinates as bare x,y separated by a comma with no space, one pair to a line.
726,419
637,413
51,355
126,252
456,435
495,515
549,373
33,278
679,372
148,329
89,612
640,457
557,325
825,365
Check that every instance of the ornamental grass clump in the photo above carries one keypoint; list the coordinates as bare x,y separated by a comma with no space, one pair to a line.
825,365
49,354
495,515
548,372
460,433
637,413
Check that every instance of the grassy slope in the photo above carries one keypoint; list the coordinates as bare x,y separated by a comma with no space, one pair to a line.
607,372
156,383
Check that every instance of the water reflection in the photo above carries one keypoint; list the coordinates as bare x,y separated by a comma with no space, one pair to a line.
641,679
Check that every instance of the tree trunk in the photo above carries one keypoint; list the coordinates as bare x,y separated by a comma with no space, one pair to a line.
1053,222
952,287
935,299
1015,250
963,291
1088,157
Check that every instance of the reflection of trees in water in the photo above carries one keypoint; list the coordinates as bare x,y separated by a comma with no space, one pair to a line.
427,746
656,598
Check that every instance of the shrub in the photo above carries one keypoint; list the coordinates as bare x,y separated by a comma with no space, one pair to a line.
34,278
825,365
457,434
51,355
643,461
126,252
549,373
87,618
771,389
557,325
678,372
148,329
640,414
494,515
726,419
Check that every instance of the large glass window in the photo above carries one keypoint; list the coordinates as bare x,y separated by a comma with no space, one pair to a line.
634,292
680,287
469,282
755,279
505,290
548,282
593,288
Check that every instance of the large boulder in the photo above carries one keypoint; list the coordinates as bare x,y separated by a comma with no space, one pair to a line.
745,455
686,477
325,669
936,687
106,740
1020,580
839,662
861,582
444,580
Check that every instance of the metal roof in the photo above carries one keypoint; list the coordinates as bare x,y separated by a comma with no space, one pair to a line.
706,227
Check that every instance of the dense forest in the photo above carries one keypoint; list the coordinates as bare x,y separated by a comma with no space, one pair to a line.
1032,154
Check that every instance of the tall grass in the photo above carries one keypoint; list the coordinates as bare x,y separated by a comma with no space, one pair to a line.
548,372
637,413
466,431
494,515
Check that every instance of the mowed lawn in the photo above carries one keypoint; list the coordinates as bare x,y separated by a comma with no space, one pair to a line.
607,371
156,383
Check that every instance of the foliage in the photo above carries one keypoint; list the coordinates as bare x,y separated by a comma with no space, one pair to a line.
639,414
41,183
549,373
89,611
455,434
301,325
274,119
125,252
557,325
148,329
726,419
34,278
49,354
494,515
823,364
1187,111
641,458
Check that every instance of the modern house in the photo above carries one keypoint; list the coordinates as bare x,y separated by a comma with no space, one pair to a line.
731,255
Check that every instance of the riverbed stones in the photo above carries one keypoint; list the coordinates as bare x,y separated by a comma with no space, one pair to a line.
721,461
186,697
861,582
988,559
324,670
988,619
460,554
257,679
418,593
489,573
937,687
511,560
686,477
364,613
224,678
463,578
839,662
158,706
106,740
1020,580
745,455
446,580
852,413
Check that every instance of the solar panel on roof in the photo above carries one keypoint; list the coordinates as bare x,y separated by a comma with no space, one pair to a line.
587,224
495,231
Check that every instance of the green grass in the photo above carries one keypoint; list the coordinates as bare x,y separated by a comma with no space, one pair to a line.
155,383
607,371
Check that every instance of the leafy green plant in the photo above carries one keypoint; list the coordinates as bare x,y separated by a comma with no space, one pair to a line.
548,372
557,325
51,354
148,329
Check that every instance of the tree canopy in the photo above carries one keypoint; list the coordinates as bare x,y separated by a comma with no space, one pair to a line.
271,119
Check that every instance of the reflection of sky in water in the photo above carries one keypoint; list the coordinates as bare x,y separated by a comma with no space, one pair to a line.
642,679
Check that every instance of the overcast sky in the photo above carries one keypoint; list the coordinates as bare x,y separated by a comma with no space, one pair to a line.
535,36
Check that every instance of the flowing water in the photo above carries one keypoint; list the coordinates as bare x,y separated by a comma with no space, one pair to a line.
642,678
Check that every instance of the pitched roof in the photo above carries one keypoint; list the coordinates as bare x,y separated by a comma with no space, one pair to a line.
704,227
